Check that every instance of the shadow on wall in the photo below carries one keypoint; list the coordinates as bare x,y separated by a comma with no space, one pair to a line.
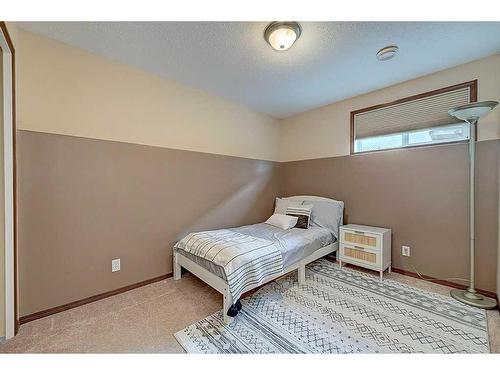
239,207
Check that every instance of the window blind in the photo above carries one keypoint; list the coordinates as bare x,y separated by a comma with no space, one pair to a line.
415,114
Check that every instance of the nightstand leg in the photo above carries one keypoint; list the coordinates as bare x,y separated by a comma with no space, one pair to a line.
381,275
390,268
340,263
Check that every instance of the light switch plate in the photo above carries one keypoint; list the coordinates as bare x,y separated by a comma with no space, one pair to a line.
115,265
405,251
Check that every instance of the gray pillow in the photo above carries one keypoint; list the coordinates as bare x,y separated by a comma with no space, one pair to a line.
327,214
283,203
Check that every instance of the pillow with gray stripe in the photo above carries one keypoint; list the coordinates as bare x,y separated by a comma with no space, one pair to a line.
303,214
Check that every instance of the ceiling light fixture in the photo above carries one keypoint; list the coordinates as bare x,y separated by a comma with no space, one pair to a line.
387,53
282,35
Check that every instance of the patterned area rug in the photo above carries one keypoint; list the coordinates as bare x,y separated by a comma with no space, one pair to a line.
341,311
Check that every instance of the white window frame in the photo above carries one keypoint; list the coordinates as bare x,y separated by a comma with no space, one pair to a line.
405,139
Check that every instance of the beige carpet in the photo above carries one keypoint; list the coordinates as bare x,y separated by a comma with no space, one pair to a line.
145,319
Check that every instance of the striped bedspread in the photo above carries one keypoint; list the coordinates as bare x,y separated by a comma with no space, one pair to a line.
246,260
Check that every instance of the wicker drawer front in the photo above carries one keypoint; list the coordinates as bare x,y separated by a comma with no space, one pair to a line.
362,239
359,254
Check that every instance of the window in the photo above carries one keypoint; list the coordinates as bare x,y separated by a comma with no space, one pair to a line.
439,134
414,121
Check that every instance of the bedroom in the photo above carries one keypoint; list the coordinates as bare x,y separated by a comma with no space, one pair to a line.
250,187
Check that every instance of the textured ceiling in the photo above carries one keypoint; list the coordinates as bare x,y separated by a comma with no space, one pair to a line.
330,62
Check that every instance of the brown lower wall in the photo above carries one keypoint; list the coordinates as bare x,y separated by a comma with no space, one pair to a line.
84,202
422,194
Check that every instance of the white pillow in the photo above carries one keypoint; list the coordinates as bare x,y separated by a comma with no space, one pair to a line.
282,221
283,203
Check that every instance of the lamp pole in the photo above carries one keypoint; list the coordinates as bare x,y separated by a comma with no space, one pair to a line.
472,213
471,114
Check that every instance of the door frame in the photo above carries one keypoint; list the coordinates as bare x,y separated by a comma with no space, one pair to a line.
9,168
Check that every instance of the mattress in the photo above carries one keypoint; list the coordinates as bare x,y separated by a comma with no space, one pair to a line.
294,244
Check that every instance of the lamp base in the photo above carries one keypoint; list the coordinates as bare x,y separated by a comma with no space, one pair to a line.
472,298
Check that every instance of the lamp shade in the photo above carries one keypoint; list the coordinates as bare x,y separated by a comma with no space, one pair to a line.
472,111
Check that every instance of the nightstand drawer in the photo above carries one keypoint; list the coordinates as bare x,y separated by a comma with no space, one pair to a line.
359,255
366,240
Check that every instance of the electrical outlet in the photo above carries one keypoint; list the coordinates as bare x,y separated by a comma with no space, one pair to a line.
115,265
405,251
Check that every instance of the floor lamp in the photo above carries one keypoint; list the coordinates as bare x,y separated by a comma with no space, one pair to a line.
471,113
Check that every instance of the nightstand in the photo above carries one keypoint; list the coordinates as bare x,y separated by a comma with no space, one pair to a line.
364,246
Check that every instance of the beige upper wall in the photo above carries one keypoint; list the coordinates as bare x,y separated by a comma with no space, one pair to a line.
73,92
325,131
66,90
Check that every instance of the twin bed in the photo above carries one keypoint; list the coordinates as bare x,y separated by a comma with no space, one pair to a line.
234,261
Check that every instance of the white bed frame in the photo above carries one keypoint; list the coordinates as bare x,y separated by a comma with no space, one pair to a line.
221,285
